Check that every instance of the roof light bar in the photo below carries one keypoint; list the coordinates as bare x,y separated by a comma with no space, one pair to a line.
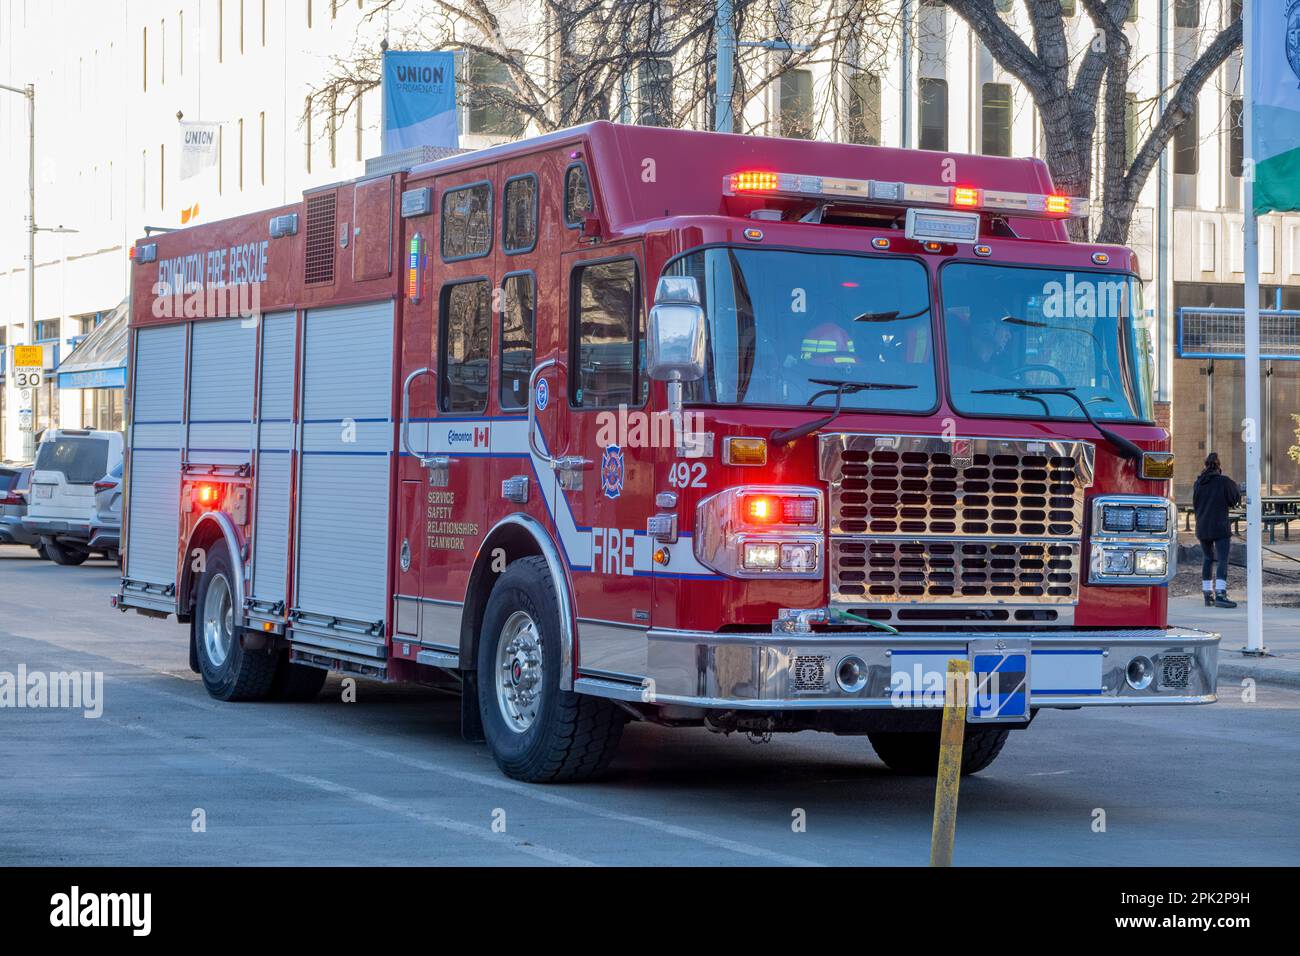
875,191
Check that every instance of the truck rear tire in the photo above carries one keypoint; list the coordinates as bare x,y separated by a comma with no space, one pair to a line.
296,682
229,670
65,555
918,753
536,732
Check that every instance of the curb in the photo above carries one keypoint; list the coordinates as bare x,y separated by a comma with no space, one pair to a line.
1282,671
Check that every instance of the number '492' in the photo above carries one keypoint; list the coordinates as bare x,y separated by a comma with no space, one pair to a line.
688,474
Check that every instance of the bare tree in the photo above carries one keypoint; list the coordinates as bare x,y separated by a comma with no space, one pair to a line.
1076,92
541,65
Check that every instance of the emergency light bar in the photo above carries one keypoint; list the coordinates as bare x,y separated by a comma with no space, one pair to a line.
880,192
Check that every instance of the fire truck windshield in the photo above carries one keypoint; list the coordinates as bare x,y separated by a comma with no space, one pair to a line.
1009,327
780,322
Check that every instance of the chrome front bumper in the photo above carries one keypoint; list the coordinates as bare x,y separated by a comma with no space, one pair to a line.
776,672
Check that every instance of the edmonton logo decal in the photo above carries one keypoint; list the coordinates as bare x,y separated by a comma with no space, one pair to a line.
611,471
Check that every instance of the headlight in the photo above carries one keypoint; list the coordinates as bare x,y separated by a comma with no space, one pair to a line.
1154,563
1118,518
761,531
1132,540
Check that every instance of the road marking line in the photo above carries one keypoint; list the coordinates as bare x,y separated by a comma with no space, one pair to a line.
364,797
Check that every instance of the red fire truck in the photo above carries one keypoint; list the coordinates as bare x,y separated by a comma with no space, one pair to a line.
625,423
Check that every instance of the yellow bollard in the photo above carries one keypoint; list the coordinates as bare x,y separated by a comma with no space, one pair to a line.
951,738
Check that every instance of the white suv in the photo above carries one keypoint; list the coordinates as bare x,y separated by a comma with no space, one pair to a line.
61,504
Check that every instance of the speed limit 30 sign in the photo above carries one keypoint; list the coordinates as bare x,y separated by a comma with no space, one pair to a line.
29,364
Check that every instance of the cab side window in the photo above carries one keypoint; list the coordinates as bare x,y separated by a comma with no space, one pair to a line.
519,229
467,222
577,195
607,326
518,305
465,347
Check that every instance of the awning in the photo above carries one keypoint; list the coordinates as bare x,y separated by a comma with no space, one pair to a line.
99,360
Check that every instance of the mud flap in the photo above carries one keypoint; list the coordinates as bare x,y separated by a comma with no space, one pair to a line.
471,722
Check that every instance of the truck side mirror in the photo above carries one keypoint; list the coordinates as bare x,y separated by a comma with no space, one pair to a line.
676,333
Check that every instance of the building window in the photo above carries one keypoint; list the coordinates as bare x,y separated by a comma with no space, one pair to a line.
360,126
221,31
1187,13
1236,137
487,109
655,93
466,324
162,176
261,147
934,114
162,52
1132,13
995,119
308,14
241,26
519,229
864,109
607,328
577,195
263,22
1068,8
144,48
467,222
241,154
796,104
1186,142
1130,127
517,339
180,40
1004,6
47,330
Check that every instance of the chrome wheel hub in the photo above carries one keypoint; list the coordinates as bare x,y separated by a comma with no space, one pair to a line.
519,671
218,621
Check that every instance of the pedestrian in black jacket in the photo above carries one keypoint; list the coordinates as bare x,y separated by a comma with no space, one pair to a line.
1213,496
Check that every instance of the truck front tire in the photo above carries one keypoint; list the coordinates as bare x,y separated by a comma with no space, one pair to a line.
918,753
536,732
229,670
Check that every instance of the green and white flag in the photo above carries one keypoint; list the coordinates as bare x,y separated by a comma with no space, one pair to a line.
1275,95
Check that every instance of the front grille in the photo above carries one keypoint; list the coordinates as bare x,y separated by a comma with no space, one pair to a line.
1175,671
887,571
808,672
979,487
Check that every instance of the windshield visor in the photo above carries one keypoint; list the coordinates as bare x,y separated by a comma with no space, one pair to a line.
1010,327
782,325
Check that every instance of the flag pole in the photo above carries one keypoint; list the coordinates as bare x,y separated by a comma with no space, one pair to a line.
1252,424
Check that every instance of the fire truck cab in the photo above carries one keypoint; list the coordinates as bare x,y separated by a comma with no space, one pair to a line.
625,423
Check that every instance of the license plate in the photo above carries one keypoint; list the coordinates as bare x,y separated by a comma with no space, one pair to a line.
43,491
999,682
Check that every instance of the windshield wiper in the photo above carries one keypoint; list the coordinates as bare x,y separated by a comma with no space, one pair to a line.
891,315
840,388
1031,393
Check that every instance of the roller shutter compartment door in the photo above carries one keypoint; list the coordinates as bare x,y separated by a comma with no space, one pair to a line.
221,391
271,475
153,511
347,444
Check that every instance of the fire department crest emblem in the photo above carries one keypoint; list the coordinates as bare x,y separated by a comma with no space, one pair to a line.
1293,36
611,471
962,454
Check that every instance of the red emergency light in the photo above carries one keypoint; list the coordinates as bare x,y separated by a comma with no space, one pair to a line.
206,495
753,181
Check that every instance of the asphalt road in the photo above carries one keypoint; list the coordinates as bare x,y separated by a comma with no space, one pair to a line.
387,779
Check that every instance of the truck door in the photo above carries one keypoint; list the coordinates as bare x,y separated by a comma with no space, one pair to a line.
608,487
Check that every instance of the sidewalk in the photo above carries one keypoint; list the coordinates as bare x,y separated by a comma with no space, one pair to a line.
1281,638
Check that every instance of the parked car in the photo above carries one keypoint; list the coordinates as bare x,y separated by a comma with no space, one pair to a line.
15,483
61,505
106,526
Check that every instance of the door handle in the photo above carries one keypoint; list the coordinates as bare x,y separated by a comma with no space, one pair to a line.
406,417
532,411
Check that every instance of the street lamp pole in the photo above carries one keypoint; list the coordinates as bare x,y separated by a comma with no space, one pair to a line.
29,92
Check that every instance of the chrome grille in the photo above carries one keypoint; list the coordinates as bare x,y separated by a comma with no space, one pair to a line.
976,487
892,570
